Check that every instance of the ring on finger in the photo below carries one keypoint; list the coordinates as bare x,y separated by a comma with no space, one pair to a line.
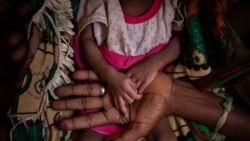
102,90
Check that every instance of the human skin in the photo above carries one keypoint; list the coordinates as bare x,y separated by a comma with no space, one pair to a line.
235,128
127,87
178,98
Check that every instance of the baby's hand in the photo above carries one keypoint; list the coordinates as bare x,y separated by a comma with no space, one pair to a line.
142,74
123,90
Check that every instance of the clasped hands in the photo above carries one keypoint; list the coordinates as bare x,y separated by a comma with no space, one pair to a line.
143,114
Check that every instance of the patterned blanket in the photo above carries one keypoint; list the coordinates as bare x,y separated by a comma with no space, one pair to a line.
50,58
48,61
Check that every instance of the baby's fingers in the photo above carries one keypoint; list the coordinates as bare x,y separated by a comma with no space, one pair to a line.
132,92
122,107
143,86
90,89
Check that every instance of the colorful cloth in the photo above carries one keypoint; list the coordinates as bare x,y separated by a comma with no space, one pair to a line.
48,62
127,35
224,70
44,69
197,63
125,40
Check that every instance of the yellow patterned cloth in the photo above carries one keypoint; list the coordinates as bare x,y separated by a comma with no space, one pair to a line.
48,62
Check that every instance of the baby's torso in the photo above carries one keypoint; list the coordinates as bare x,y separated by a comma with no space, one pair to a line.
129,31
137,35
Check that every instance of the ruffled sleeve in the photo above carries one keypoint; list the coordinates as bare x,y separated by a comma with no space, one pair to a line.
93,11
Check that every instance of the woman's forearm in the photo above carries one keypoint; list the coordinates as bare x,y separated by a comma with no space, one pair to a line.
206,108
196,105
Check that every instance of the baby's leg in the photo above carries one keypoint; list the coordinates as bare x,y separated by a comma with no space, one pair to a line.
162,132
89,135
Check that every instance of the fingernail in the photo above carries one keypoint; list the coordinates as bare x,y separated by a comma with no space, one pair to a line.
62,125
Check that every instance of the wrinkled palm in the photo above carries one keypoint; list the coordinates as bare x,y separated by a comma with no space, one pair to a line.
144,113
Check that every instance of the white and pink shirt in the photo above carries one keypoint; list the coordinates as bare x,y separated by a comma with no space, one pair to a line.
125,40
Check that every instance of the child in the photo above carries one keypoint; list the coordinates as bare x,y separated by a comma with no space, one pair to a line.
126,43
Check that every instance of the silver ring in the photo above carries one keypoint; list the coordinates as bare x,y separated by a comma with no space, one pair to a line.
102,91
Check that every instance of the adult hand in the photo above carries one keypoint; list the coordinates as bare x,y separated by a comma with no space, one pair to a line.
176,98
144,114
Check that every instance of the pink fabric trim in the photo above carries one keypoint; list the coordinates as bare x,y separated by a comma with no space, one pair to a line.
109,129
122,62
77,56
149,14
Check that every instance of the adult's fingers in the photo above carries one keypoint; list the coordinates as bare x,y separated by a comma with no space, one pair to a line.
84,75
144,114
82,103
87,89
111,115
142,86
122,107
78,103
84,121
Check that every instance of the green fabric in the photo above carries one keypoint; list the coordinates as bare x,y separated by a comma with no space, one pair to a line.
232,71
195,41
199,132
33,130
215,10
30,130
75,6
195,58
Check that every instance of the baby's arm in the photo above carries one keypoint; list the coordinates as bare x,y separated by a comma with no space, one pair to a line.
120,85
145,71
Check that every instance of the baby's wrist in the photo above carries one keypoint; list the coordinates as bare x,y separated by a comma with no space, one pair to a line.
107,74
